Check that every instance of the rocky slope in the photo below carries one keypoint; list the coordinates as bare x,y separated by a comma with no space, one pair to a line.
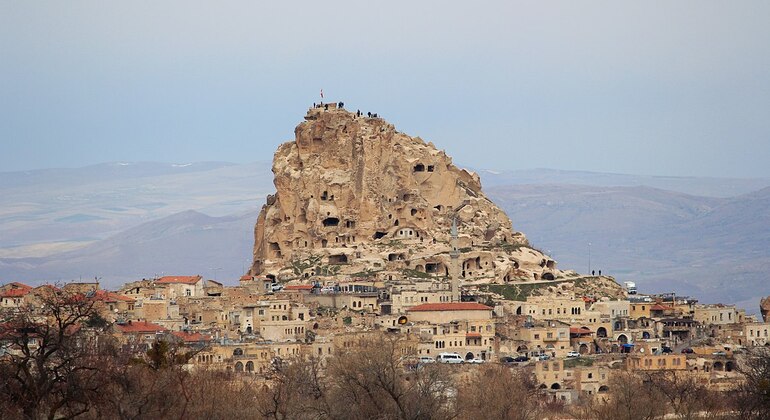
355,196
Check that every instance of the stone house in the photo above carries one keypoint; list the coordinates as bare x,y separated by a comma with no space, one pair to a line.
12,294
179,286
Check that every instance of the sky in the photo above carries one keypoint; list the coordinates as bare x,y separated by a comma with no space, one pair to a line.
655,88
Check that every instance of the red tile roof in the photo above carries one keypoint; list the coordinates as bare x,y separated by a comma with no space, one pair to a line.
473,335
17,285
299,287
107,296
659,307
140,327
455,306
178,279
194,337
580,330
14,293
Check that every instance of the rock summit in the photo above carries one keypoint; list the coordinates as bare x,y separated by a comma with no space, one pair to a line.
356,197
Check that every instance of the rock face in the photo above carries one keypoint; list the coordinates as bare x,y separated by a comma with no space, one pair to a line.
355,196
764,308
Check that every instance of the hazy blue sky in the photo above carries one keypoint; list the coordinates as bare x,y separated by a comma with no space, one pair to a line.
670,88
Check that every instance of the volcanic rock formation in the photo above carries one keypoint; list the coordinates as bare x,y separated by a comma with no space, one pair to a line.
764,308
355,196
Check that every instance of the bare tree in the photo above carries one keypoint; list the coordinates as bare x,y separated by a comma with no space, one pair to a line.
687,397
294,391
752,398
52,363
372,382
499,392
628,398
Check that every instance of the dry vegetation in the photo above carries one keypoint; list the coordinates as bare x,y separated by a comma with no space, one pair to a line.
66,372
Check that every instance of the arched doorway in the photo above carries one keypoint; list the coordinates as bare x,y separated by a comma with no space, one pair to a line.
469,356
583,349
719,366
623,339
645,335
555,386
521,349
601,332
239,367
729,366
604,388
618,325
249,366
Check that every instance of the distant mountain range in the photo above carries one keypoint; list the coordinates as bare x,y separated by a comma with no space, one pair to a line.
708,237
717,249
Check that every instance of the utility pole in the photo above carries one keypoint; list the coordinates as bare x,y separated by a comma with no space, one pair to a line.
455,254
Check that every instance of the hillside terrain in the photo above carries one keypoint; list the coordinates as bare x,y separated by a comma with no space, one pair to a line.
113,220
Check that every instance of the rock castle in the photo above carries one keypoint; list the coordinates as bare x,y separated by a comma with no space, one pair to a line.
357,197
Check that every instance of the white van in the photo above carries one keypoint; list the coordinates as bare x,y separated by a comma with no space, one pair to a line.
449,358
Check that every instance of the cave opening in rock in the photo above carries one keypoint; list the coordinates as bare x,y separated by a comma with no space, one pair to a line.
331,221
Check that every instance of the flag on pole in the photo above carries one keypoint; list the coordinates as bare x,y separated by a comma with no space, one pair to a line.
322,93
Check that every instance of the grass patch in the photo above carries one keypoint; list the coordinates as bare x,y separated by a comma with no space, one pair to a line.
409,273
578,361
518,292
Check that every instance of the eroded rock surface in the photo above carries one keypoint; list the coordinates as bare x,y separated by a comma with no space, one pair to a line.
764,308
355,196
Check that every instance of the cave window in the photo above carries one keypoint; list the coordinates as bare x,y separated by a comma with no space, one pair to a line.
395,223
419,167
414,212
378,235
338,259
430,168
350,224
324,196
324,242
390,216
439,207
331,221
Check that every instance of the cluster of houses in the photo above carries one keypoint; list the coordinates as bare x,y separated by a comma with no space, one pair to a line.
573,344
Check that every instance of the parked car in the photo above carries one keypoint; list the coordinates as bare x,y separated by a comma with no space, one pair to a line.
687,351
573,354
507,360
543,357
276,287
474,361
451,358
719,353
327,289
521,359
667,350
424,360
